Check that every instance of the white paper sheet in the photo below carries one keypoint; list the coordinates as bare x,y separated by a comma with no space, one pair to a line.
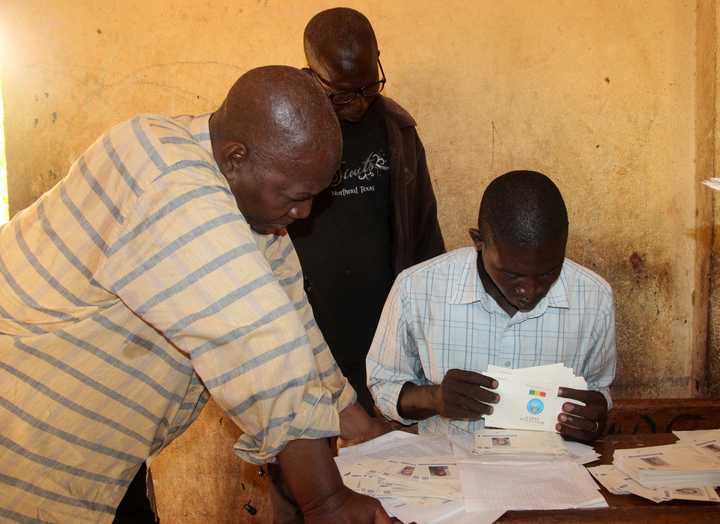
712,183
532,486
697,435
399,444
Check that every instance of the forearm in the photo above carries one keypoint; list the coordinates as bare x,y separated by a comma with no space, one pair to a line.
354,420
418,402
310,472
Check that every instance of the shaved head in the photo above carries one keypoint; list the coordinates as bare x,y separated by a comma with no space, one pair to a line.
277,141
278,111
521,238
341,39
524,208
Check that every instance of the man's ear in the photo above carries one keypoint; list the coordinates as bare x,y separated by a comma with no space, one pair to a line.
234,155
477,238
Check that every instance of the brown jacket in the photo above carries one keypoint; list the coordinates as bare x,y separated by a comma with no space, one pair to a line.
416,233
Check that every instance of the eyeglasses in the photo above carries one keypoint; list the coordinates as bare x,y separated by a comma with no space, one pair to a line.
345,97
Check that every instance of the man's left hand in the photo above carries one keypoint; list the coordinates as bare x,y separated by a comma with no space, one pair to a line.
357,426
582,423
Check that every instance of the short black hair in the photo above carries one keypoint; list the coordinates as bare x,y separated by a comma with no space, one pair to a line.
524,208
348,30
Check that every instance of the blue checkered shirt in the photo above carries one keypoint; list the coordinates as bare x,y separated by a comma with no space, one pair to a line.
438,317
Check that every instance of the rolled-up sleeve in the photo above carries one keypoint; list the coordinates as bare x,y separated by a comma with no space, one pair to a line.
187,263
393,358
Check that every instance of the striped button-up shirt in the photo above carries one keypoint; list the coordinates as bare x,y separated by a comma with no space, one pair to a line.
127,292
438,317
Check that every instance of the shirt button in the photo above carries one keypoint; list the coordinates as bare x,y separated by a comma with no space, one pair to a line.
508,364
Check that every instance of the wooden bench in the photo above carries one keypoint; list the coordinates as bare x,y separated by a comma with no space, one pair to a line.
632,417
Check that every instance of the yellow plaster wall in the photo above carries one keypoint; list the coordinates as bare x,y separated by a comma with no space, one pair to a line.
600,95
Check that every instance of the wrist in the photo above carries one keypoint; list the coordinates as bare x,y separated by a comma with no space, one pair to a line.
326,505
419,402
310,459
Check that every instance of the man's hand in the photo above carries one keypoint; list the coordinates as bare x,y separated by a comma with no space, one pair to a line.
464,395
357,426
315,484
582,423
348,507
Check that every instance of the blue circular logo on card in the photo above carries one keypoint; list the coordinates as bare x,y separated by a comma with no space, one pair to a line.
535,406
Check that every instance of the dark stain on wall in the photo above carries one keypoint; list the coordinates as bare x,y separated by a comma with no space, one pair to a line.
642,285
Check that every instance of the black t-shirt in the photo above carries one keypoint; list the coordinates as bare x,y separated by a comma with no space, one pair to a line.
345,244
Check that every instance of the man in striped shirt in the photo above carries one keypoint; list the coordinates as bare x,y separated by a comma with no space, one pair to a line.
149,277
514,301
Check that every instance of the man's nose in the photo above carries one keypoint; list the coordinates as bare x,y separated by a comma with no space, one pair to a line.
358,106
301,210
529,290
361,104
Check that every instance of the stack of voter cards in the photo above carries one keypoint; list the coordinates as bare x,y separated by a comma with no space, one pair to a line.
676,465
524,445
618,483
528,396
518,445
687,470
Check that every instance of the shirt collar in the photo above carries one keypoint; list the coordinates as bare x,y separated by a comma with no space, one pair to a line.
469,289
200,130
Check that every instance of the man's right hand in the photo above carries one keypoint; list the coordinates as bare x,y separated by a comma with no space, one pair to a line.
461,395
348,507
465,395
314,481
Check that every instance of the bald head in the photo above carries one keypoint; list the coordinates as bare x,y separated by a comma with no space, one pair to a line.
278,142
341,39
524,208
278,112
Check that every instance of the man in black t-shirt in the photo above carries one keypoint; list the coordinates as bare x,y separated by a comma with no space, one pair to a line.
379,215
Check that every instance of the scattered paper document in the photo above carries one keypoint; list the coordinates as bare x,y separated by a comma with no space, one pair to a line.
418,479
414,477
387,478
398,444
528,396
435,512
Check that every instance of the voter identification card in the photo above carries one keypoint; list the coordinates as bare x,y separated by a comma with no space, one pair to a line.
518,442
529,396
525,405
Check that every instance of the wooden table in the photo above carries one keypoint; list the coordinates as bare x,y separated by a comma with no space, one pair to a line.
626,508
198,479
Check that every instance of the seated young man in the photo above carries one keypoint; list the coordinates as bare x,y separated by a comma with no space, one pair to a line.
513,301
